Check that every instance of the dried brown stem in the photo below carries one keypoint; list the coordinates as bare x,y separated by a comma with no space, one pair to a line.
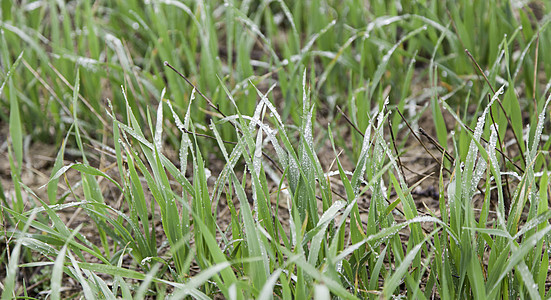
349,121
396,150
421,142
436,144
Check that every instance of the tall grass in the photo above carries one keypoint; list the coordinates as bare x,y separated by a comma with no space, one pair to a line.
250,207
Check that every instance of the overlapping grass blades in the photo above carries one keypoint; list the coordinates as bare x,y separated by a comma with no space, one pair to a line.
293,230
327,244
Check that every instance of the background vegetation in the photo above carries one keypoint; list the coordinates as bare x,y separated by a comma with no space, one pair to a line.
277,172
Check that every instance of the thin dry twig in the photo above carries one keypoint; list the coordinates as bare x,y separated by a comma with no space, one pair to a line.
209,102
396,150
349,121
437,145
421,142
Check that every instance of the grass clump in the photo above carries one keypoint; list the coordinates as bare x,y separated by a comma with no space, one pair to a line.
273,149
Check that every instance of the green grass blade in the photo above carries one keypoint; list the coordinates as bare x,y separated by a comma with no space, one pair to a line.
12,267
392,283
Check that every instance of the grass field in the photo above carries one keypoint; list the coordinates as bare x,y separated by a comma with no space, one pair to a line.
275,149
